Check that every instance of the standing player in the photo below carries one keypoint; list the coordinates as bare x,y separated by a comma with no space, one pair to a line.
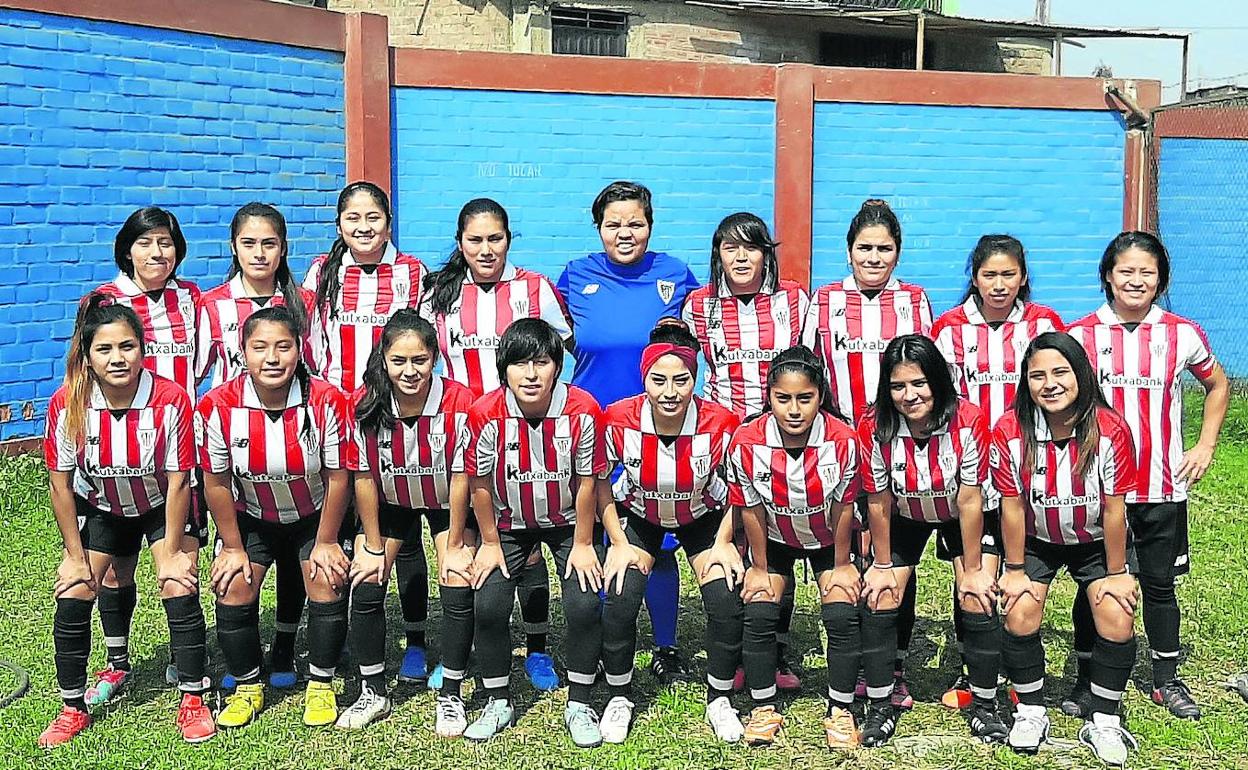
1140,353
924,465
471,301
849,324
672,447
259,277
614,299
983,339
148,250
793,474
119,448
412,435
1063,462
743,317
359,284
277,439
536,451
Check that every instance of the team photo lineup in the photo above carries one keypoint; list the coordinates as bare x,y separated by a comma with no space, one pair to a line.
315,428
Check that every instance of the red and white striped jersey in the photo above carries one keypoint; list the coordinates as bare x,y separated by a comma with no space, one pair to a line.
123,467
1060,508
412,462
669,484
987,361
849,332
468,335
533,469
222,312
925,477
168,326
739,339
797,493
1140,374
343,339
276,459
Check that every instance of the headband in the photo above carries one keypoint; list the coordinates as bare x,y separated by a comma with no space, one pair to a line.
652,353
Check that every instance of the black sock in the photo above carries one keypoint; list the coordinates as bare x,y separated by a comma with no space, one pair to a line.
457,623
238,633
1111,668
1023,657
291,597
492,634
843,624
725,617
983,653
368,633
906,613
758,650
788,606
116,612
619,632
534,592
959,626
879,652
186,640
327,630
1085,633
582,644
1161,626
412,570
71,639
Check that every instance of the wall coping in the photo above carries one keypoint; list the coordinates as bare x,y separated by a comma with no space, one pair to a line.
1201,123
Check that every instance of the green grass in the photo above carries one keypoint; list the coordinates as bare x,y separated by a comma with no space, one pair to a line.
138,730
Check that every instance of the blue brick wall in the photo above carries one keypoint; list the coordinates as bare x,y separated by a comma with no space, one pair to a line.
98,119
545,157
1200,201
1052,178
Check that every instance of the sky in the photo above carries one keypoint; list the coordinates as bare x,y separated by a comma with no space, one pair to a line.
1219,28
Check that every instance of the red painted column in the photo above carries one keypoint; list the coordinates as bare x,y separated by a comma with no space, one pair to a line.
795,144
366,73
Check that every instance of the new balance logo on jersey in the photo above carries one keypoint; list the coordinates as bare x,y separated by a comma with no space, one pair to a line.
899,466
970,349
632,462
856,345
458,339
93,440
1127,381
763,477
527,477
240,442
513,446
838,312
1038,499
385,444
1107,351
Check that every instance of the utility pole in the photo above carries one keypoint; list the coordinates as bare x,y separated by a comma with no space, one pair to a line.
1042,11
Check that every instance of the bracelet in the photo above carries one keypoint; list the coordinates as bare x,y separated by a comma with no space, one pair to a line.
881,565
1123,571
1016,567
371,552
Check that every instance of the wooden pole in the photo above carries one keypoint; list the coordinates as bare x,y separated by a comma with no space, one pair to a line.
1187,40
919,43
1057,53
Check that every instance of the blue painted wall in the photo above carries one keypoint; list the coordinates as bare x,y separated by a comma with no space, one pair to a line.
1200,201
545,157
1052,178
98,119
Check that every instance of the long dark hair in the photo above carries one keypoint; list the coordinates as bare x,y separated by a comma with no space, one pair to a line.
328,283
988,246
446,284
673,331
142,221
923,353
1135,239
282,277
525,340
281,314
622,191
747,228
799,359
874,212
95,310
1087,402
375,410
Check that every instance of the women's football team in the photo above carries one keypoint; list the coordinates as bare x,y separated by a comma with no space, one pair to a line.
841,429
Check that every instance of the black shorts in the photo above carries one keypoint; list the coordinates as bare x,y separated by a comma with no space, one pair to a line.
781,558
266,542
695,537
518,545
1084,561
1159,536
123,535
399,523
949,541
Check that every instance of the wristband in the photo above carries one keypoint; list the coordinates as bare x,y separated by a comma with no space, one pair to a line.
1016,567
371,552
881,565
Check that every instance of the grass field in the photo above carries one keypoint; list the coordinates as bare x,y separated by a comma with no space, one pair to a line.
138,730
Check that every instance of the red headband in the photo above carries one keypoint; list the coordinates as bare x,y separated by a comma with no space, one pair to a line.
652,353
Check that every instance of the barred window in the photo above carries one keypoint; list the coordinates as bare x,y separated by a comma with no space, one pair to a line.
588,33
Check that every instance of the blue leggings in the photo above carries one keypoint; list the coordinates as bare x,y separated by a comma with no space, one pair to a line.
663,594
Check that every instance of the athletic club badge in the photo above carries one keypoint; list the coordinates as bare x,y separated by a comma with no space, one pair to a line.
437,442
830,473
563,444
702,465
147,438
400,288
667,290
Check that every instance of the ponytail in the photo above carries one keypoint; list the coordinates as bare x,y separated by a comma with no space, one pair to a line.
95,310
799,359
446,284
376,410
282,278
328,283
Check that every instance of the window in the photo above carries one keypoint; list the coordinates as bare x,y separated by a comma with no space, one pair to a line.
836,50
588,33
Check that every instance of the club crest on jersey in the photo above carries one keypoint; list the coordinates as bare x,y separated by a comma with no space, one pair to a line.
904,312
1159,349
520,306
437,442
702,465
400,288
187,308
782,316
147,438
309,438
830,473
563,444
666,289
948,463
